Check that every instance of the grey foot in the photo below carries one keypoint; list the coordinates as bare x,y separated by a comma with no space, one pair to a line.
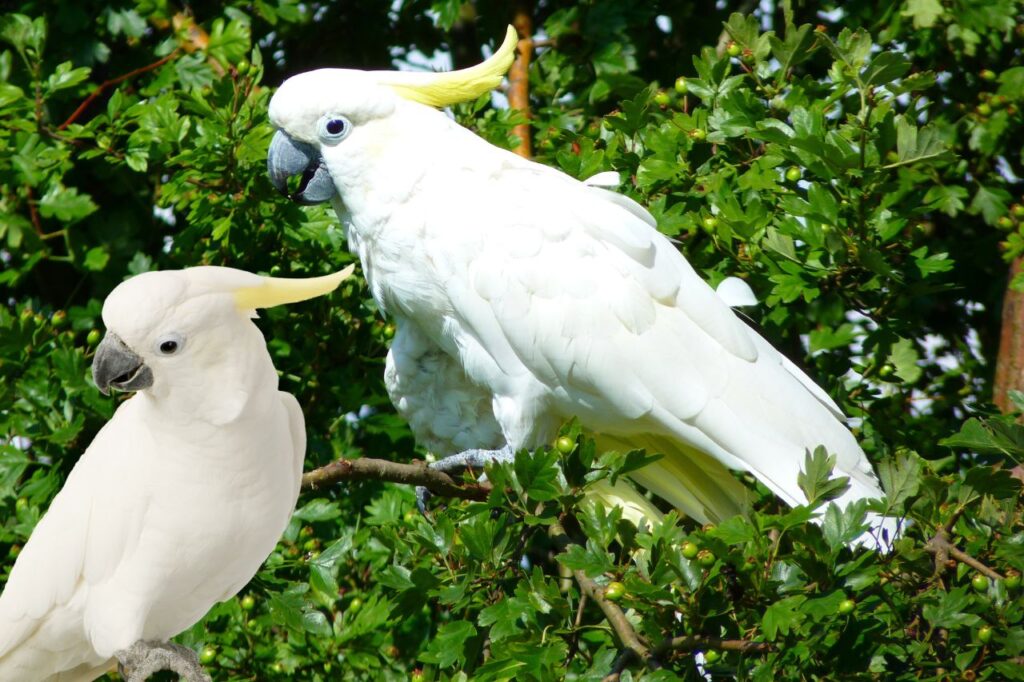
475,459
142,659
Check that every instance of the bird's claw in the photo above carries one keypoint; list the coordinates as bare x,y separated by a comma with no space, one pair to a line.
142,659
422,496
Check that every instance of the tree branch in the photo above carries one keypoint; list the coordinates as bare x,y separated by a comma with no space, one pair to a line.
417,473
942,548
1010,360
519,75
631,642
112,82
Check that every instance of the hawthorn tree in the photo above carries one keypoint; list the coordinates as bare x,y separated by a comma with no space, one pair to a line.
857,163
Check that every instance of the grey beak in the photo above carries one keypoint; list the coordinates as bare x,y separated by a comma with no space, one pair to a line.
288,158
115,365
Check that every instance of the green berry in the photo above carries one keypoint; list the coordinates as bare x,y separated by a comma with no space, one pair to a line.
277,667
979,582
690,550
207,655
248,602
1004,222
355,605
614,591
984,109
698,134
985,634
1012,580
793,174
311,545
93,337
711,656
14,551
681,86
59,318
733,49
417,676
307,532
21,504
710,222
987,75
565,445
846,607
661,98
886,370
242,67
706,558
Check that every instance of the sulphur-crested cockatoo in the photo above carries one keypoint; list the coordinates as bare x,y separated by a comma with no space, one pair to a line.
522,297
181,495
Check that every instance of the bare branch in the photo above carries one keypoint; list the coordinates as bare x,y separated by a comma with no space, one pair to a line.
417,473
519,75
941,547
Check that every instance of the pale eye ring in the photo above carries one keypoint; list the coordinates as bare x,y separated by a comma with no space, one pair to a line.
333,128
170,344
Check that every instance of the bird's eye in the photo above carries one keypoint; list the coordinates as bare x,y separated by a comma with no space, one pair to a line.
170,344
332,129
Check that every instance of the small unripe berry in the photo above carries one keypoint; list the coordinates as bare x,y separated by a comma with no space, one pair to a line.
681,85
690,550
698,134
983,109
1004,222
985,634
207,655
979,582
793,174
710,222
242,67
614,591
355,605
711,656
733,50
59,318
93,337
987,75
565,445
248,602
661,98
846,607
705,558
1012,580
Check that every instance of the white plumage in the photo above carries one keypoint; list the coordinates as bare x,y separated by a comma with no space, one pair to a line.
522,297
179,498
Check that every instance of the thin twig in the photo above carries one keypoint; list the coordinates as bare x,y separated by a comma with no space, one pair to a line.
417,473
702,643
631,642
112,82
943,549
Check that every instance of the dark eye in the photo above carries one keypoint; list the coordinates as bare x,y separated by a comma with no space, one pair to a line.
170,344
333,128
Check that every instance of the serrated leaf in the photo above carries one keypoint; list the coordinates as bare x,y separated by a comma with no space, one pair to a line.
815,479
449,644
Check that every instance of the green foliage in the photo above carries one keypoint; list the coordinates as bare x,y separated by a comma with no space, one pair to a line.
858,164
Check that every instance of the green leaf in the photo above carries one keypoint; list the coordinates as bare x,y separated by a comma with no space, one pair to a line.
948,610
900,477
65,204
592,559
815,480
782,617
449,644
924,12
904,357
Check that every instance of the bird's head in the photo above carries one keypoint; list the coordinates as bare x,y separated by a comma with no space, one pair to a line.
174,327
328,116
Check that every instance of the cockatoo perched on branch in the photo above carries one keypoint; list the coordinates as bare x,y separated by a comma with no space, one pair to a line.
522,297
181,495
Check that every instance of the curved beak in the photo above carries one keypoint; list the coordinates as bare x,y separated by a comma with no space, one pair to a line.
288,158
115,365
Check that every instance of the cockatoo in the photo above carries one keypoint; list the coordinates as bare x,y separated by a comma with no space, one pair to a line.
522,297
182,494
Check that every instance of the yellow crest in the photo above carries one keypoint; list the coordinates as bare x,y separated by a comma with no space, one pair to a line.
272,291
451,87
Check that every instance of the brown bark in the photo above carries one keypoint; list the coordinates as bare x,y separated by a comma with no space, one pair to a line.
417,473
1010,362
519,75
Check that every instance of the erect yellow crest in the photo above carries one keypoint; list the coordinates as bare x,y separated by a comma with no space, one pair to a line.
272,291
451,87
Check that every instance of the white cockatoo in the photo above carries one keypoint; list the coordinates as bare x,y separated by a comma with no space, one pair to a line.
522,297
182,494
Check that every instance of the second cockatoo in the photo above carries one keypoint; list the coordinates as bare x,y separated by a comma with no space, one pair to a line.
522,297
182,494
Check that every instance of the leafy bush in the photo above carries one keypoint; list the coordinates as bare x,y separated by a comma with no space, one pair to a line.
857,163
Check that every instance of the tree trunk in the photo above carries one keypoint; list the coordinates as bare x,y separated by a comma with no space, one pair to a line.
1010,362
